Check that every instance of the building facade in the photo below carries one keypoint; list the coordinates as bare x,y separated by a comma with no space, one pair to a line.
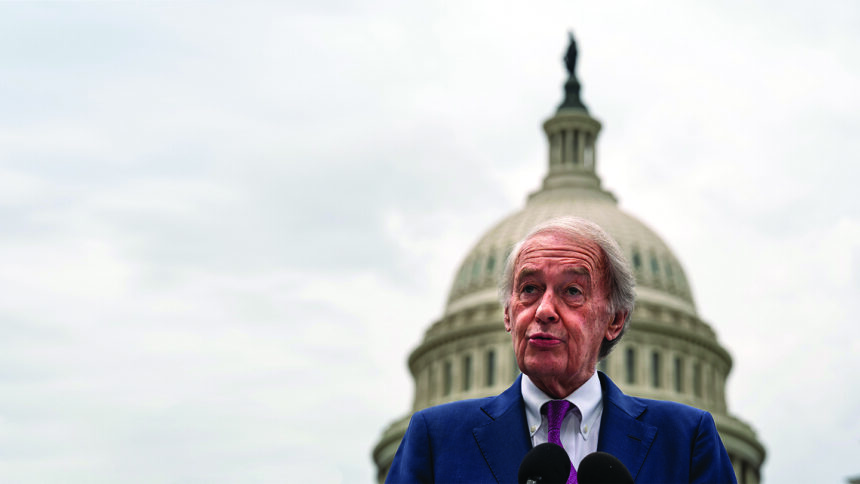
668,352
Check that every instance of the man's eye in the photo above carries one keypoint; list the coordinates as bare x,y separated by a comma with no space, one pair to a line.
529,289
573,291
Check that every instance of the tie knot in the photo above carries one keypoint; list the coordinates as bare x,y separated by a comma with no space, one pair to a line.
556,409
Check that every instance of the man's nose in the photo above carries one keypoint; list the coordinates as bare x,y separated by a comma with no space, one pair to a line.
546,312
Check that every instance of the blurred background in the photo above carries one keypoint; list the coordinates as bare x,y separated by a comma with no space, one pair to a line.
225,226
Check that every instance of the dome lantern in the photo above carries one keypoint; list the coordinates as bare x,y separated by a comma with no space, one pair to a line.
572,137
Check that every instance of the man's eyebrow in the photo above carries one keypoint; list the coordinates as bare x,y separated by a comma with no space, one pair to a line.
526,272
530,271
580,271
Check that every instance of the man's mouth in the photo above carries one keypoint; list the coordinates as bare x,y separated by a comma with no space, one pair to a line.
542,339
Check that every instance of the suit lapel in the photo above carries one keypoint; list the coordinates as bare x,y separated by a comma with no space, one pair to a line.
621,433
504,440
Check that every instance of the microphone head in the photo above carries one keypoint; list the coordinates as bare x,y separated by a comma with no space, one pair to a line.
545,464
602,468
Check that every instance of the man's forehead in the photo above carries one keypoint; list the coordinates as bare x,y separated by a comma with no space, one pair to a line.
562,249
560,245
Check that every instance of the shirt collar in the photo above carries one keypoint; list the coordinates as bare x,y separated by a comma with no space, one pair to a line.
588,398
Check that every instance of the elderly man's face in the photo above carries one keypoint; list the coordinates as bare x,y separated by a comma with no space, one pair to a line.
558,312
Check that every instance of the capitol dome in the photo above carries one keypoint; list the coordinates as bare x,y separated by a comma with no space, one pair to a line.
668,352
659,274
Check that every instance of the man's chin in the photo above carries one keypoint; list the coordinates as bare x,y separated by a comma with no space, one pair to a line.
545,371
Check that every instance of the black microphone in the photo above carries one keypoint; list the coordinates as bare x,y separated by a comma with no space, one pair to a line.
545,464
602,468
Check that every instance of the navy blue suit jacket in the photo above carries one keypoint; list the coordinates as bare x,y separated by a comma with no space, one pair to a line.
484,440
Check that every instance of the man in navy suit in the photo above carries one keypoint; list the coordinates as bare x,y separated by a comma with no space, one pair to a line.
567,292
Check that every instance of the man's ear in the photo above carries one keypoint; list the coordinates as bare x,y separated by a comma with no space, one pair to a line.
616,325
507,319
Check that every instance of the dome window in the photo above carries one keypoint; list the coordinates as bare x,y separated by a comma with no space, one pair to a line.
491,368
491,264
670,279
655,369
588,152
697,380
449,378
476,268
637,260
679,374
630,365
448,381
467,373
431,384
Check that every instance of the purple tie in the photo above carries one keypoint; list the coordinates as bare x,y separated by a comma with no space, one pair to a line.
555,411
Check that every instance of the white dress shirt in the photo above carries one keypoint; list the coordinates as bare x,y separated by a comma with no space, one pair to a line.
581,425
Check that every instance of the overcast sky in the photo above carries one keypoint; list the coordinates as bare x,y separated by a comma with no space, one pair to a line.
225,226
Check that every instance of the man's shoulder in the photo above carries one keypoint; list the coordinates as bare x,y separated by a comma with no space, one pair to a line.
665,409
652,410
487,407
475,411
459,408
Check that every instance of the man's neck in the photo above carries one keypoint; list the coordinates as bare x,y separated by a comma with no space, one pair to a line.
556,389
